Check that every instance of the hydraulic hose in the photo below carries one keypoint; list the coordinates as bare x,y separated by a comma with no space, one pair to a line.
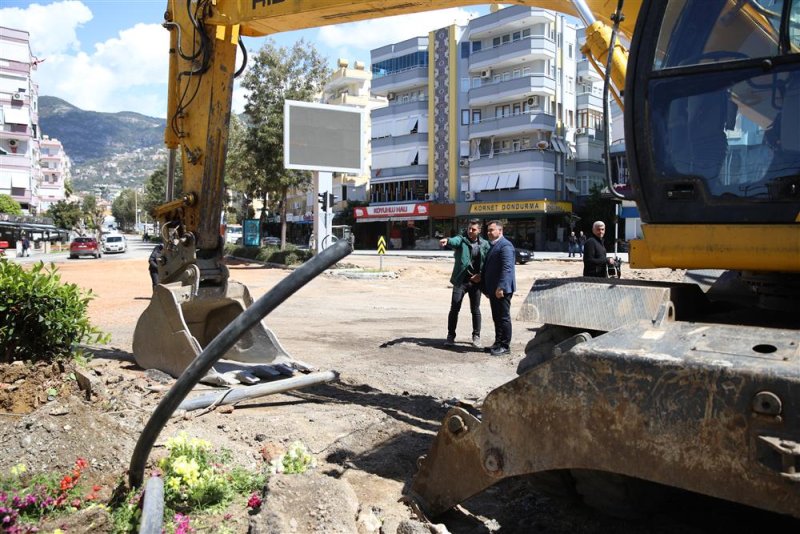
220,345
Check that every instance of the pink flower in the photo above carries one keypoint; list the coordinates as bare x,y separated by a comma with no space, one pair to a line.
254,501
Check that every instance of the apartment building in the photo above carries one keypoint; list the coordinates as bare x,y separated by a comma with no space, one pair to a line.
481,123
19,135
55,171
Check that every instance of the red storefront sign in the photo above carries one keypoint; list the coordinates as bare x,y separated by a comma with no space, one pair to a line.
393,212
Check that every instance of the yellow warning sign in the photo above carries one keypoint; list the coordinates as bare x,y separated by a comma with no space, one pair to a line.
381,245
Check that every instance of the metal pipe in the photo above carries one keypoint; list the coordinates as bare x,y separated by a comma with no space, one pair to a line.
584,13
170,189
153,507
232,396
220,345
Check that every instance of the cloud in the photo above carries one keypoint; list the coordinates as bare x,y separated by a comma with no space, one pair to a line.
52,28
125,73
375,33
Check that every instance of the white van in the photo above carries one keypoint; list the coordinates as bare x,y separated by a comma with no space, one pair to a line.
114,243
234,234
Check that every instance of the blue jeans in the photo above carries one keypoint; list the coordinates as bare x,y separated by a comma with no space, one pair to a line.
455,307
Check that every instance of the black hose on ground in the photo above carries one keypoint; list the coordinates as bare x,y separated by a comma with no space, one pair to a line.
220,345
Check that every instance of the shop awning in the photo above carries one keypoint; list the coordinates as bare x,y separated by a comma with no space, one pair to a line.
571,188
508,180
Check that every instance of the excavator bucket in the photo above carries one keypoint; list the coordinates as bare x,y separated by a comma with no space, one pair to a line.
182,319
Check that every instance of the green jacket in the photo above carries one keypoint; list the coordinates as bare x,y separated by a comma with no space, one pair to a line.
461,252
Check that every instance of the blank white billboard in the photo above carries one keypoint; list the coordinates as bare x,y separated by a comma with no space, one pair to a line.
322,137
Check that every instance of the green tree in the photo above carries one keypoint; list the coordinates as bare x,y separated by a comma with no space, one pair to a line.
277,74
241,173
124,209
65,214
155,187
9,205
598,207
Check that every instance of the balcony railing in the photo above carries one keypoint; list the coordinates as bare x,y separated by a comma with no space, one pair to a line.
407,141
521,158
513,124
520,14
396,108
386,175
494,92
400,80
522,50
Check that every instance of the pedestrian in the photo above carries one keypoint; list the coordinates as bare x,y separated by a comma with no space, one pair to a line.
581,241
469,251
595,258
26,245
499,284
573,244
153,261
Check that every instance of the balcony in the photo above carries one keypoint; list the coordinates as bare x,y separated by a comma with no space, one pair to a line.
513,53
587,74
512,125
514,16
361,101
400,141
522,159
399,81
420,106
345,77
393,173
516,88
589,100
15,161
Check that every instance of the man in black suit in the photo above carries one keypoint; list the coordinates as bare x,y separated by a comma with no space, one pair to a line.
499,284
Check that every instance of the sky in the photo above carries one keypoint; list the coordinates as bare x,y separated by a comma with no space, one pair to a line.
111,55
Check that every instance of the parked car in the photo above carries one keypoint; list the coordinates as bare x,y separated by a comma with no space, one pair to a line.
522,255
84,246
115,243
271,241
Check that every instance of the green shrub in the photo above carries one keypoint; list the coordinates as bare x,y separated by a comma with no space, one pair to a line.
41,318
291,256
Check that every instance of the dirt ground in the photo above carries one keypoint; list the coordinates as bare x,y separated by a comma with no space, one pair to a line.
383,335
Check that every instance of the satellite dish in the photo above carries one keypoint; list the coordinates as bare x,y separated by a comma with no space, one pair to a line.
541,145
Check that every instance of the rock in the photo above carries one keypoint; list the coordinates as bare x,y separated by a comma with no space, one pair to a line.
59,410
271,451
367,522
158,376
411,526
261,437
114,379
311,502
226,408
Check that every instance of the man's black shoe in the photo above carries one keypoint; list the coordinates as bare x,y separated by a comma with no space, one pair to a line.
493,347
500,351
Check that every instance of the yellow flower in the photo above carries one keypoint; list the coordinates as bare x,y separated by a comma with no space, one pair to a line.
18,469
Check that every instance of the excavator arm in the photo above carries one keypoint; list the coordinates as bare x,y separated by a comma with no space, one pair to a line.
195,298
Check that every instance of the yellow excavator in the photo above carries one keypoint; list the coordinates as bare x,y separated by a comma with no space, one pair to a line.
691,385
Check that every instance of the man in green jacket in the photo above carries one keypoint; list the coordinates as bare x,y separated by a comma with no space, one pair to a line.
469,251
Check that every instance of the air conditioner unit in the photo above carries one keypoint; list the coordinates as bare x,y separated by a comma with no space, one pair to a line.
428,196
469,196
16,96
463,162
12,143
390,96
580,79
486,73
579,131
533,101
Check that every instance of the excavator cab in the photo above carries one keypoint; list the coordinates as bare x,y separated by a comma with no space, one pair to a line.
631,384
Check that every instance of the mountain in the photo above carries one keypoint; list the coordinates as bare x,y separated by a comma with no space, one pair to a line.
112,148
88,135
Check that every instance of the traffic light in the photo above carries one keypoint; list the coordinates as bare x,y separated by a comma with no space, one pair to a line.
331,200
323,200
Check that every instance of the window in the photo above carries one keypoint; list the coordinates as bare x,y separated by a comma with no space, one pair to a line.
517,109
498,112
476,46
516,36
496,42
526,33
464,117
516,145
465,48
476,82
506,76
476,116
497,78
464,85
516,73
507,110
569,50
506,39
